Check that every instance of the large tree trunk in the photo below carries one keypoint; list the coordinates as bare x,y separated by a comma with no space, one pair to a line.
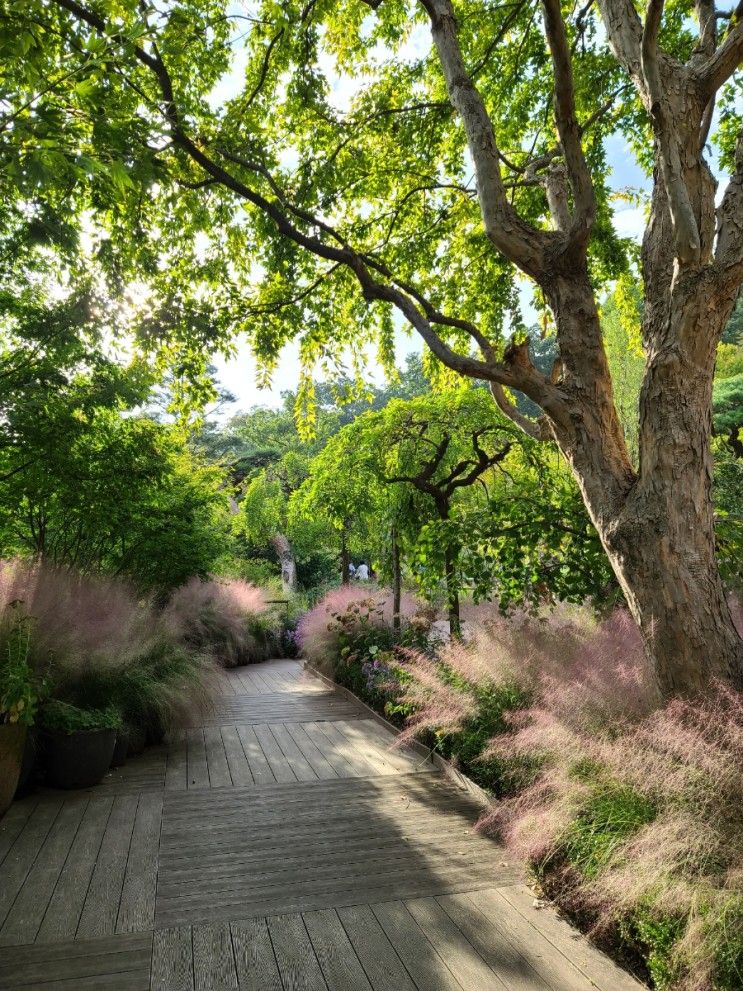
657,527
288,565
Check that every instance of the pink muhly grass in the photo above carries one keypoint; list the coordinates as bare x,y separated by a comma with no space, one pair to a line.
91,633
317,632
597,726
74,618
217,616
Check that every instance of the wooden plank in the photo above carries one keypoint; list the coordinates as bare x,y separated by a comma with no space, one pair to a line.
314,894
213,960
12,823
121,962
385,739
462,959
379,958
255,960
299,819
137,907
340,965
368,744
101,906
594,964
23,853
343,767
277,873
483,932
23,921
66,905
259,766
219,771
297,962
346,749
236,759
429,789
315,758
554,968
176,772
172,960
423,963
294,756
198,770
274,754
316,850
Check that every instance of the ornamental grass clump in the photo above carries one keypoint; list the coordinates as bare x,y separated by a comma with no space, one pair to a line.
94,644
228,619
352,611
628,809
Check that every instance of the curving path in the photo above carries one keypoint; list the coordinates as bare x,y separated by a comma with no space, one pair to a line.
279,845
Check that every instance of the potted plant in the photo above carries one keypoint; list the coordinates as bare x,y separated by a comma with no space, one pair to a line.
19,696
78,743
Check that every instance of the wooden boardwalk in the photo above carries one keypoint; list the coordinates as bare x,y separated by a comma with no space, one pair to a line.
279,845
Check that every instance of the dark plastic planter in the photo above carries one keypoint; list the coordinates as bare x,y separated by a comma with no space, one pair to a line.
121,749
78,760
136,737
27,764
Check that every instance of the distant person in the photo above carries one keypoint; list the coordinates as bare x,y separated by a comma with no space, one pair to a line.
351,569
362,572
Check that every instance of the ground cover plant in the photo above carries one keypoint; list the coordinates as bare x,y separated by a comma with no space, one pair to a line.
627,809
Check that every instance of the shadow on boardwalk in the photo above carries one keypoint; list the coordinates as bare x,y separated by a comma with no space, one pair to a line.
280,845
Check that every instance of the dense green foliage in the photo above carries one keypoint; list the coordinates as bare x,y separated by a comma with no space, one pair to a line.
87,479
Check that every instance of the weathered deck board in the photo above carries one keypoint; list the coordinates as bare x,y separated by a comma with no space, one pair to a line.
66,904
255,959
281,845
118,963
23,922
101,907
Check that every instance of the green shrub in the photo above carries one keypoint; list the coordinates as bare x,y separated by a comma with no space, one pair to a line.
611,814
65,718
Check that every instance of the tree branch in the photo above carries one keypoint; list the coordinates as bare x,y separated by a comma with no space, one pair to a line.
729,250
686,232
533,428
584,201
722,63
516,235
517,240
624,32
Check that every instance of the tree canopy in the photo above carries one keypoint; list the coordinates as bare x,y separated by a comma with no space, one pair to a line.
328,171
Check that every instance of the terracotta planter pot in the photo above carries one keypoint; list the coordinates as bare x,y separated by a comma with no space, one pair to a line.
78,760
12,743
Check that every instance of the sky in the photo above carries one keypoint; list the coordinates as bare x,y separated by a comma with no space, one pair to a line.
238,373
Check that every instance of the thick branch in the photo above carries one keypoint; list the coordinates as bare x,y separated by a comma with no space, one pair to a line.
515,234
624,31
533,428
584,202
729,251
511,235
720,66
686,231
